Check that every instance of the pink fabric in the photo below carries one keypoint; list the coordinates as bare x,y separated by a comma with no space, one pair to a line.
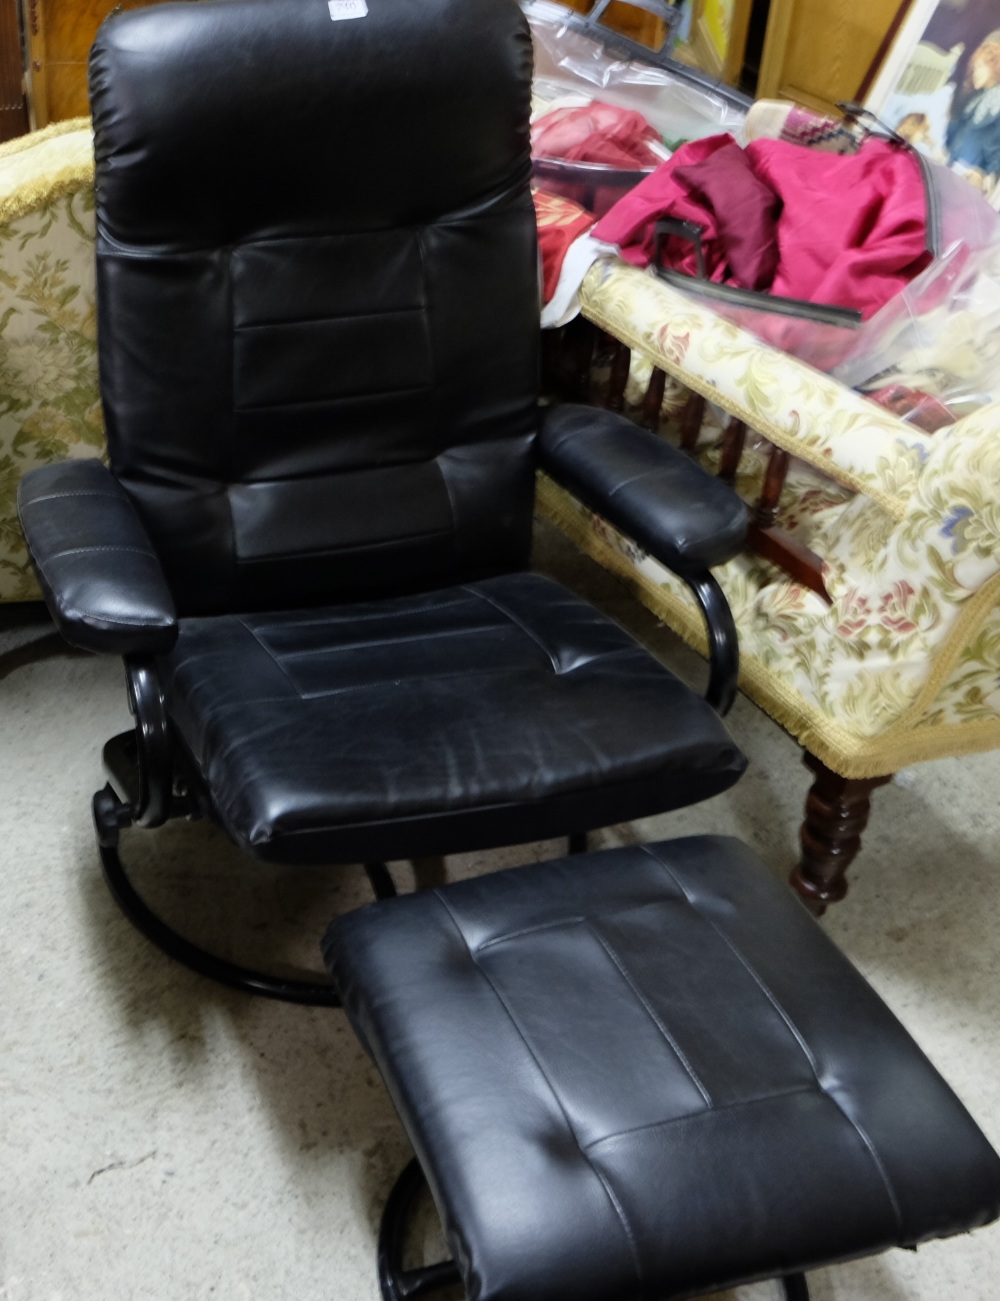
745,212
853,228
629,224
596,133
842,230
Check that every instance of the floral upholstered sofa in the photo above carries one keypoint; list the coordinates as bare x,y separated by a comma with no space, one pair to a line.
894,656
49,403
895,659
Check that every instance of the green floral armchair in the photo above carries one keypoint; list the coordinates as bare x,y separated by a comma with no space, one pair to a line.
49,403
902,663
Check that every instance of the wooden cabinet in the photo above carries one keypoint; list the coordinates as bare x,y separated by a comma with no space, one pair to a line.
13,110
817,53
716,32
814,52
58,37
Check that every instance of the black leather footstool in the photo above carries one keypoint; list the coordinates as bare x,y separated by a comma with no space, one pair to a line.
647,1073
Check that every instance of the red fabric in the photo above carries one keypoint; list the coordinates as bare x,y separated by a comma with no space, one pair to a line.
845,230
560,222
916,408
596,133
629,224
853,228
745,210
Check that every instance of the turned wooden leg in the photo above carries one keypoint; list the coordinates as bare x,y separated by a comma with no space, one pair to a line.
766,511
584,343
691,418
733,441
653,401
621,364
837,811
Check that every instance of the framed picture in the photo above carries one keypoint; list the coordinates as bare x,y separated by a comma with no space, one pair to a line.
939,86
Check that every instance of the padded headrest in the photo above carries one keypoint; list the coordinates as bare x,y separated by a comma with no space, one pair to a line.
214,121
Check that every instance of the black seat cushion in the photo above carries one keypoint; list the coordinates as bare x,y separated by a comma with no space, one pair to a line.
648,1073
497,712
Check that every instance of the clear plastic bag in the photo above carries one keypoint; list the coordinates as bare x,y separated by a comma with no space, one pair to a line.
955,300
573,57
578,61
939,339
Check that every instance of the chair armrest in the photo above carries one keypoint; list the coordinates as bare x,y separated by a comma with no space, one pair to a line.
674,510
96,566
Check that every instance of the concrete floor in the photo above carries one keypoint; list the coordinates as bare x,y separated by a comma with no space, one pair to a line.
165,1139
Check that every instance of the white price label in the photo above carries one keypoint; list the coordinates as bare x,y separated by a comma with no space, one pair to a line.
341,9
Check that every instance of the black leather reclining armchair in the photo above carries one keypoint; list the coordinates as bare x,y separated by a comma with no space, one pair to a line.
318,336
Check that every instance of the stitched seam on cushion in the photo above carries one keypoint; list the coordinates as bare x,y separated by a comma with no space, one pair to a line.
744,961
450,497
330,692
355,395
695,1117
89,551
625,483
623,1221
326,320
637,992
59,496
346,549
622,652
396,641
420,241
807,1052
338,616
876,1159
555,441
573,920
98,621
271,656
517,624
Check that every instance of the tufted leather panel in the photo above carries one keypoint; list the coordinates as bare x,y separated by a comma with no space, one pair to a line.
647,1073
327,293
499,711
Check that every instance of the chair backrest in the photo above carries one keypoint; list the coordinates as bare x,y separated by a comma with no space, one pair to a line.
317,292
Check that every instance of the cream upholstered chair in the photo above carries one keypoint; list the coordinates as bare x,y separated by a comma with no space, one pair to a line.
902,663
893,655
49,405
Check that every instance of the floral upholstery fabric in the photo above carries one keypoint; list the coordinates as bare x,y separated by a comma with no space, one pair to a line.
49,403
797,408
903,664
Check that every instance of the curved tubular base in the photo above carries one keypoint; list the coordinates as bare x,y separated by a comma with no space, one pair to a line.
318,993
396,1283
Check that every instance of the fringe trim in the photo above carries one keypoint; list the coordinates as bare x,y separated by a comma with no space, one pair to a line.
35,138
48,181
